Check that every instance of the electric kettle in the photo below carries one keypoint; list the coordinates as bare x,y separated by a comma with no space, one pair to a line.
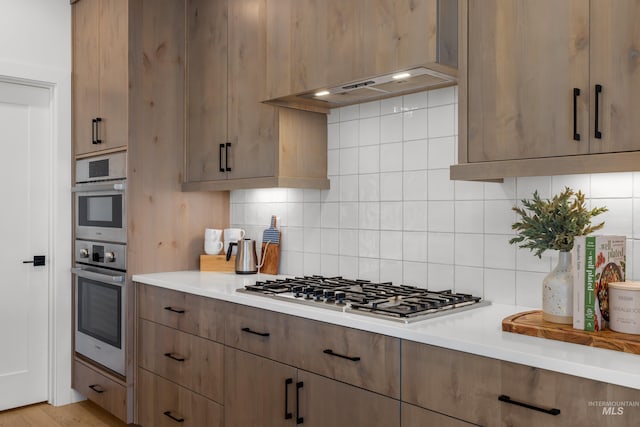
246,258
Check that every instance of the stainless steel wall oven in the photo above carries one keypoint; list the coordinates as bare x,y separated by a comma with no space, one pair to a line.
100,281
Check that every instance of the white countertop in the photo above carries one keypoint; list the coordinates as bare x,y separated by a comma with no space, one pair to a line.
477,331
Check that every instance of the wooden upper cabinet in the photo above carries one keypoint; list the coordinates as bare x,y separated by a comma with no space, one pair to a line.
615,65
206,88
319,43
234,140
547,88
524,59
101,74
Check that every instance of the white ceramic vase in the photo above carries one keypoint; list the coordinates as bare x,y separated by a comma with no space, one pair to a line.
557,292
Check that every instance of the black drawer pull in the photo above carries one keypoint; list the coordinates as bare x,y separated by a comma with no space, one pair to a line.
174,310
226,157
262,334
287,415
221,168
576,94
178,420
507,399
299,419
97,388
331,353
174,357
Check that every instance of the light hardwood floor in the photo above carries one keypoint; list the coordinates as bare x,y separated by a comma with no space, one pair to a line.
81,414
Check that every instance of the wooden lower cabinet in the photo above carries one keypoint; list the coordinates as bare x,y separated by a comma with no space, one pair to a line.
413,416
101,390
259,391
165,404
255,391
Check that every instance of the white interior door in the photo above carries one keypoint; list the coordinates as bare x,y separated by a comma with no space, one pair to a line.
25,141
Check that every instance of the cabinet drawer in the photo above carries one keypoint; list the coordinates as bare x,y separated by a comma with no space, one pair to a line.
578,399
162,403
451,382
99,389
190,313
364,359
190,361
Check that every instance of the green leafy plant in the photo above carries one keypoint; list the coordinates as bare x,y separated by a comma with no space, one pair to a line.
552,224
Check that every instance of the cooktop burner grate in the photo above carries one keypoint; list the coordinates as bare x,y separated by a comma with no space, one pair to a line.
386,300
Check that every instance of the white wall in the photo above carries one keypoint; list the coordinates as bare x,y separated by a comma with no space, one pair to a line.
35,45
393,214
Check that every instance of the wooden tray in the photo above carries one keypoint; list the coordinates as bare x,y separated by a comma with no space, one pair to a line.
217,263
531,323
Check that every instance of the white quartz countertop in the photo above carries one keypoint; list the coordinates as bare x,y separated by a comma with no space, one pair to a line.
477,331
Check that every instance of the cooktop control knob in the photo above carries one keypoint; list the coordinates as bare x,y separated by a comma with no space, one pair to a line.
84,253
109,257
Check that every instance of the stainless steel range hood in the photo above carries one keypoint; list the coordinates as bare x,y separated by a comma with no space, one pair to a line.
440,73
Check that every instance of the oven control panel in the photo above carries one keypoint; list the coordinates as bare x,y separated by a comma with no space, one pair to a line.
112,255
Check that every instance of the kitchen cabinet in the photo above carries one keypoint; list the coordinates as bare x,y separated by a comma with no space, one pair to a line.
547,88
100,75
180,365
315,44
260,391
413,416
233,139
104,390
486,391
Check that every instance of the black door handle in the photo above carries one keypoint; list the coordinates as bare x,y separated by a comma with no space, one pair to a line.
93,131
226,157
507,399
175,357
174,310
262,334
598,134
576,94
299,419
38,260
220,158
98,121
287,415
97,388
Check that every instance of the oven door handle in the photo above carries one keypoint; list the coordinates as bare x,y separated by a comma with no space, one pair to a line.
118,186
81,272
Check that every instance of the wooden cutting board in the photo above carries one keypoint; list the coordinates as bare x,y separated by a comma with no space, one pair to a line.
271,252
531,323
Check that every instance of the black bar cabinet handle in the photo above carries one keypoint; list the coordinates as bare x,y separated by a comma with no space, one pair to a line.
262,334
226,157
576,94
98,121
97,388
174,310
331,353
93,131
287,415
176,358
170,415
598,134
220,158
299,419
507,399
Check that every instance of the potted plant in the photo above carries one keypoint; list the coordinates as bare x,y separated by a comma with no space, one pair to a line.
553,224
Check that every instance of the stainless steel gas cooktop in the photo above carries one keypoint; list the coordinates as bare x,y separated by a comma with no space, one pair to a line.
385,300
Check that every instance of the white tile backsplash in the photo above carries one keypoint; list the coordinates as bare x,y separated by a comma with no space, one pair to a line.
392,214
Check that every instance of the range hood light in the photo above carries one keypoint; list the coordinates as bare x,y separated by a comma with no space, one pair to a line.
322,93
401,76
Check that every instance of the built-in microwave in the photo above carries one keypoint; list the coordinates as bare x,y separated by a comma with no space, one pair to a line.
100,198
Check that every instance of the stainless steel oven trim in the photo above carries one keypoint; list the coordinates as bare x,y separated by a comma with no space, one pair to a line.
105,354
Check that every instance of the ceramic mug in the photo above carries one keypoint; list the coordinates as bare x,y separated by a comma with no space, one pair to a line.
232,235
212,234
212,247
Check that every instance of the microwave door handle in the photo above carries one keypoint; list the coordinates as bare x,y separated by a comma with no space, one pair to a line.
80,272
119,186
